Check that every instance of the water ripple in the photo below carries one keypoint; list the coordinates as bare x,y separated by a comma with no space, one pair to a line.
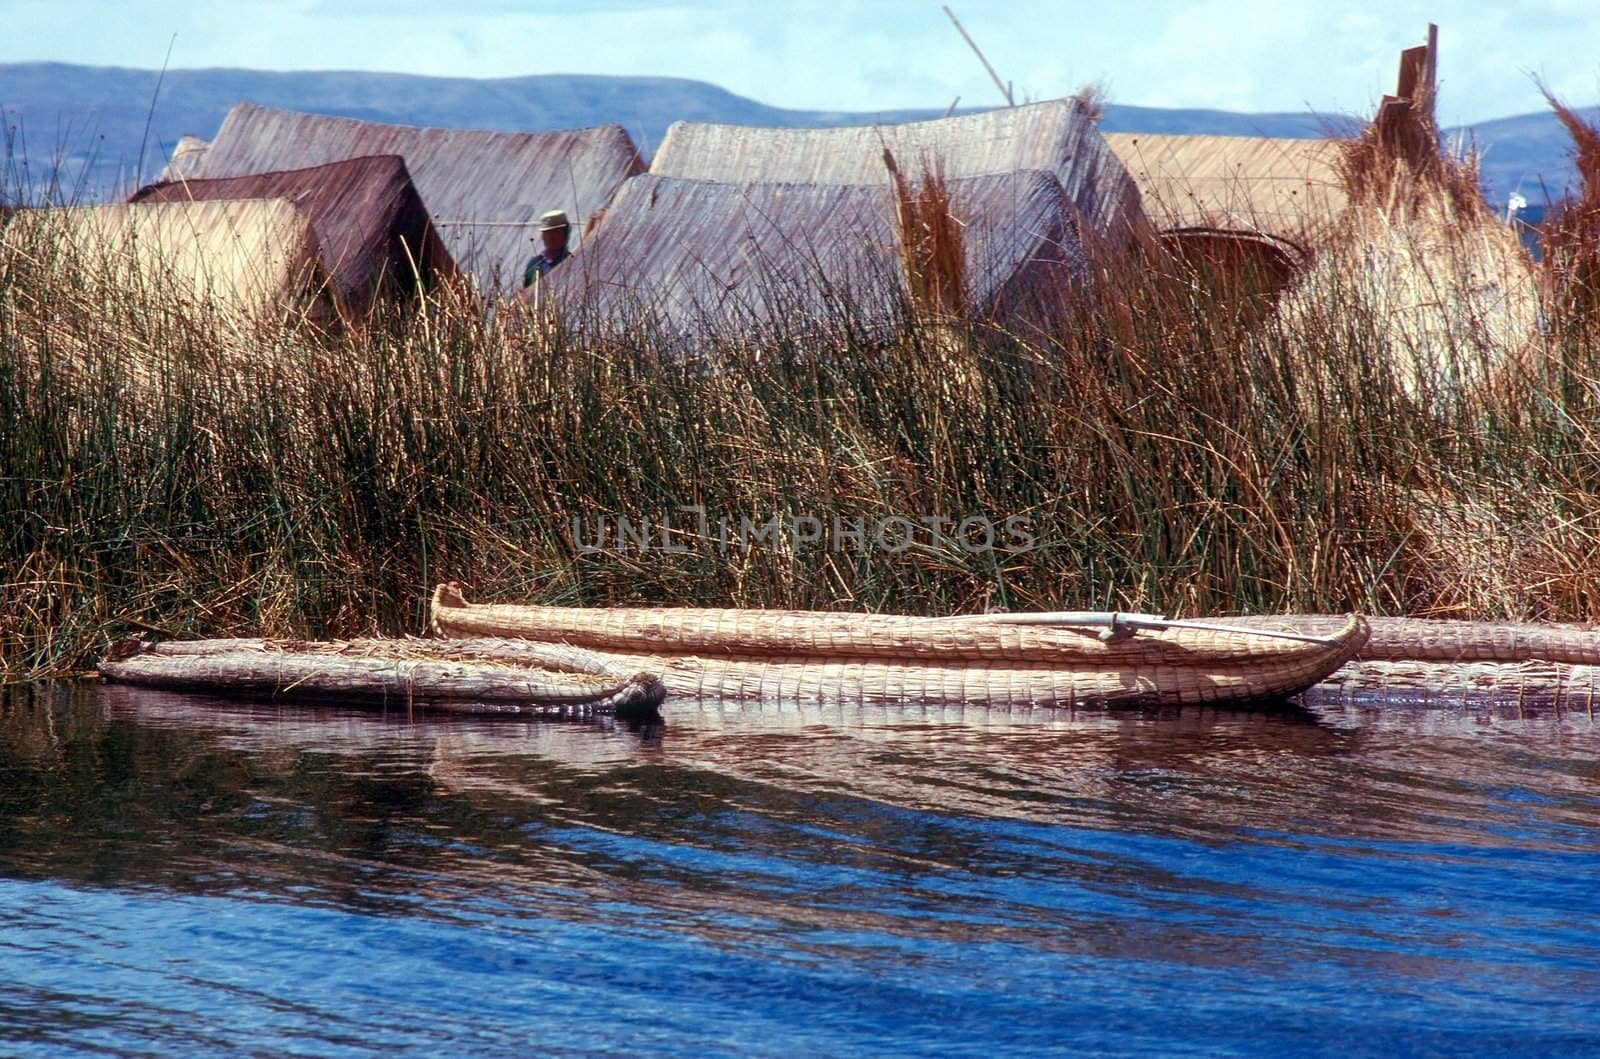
258,880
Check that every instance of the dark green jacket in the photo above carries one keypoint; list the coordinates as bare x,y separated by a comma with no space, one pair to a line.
539,264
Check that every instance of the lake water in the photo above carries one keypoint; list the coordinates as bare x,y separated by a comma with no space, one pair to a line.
187,876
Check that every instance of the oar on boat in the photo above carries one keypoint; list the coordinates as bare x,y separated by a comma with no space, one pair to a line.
1119,625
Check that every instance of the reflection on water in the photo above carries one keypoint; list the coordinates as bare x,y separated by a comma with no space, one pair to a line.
777,880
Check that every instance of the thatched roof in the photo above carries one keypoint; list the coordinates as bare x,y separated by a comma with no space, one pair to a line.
1286,188
700,257
255,258
484,190
185,157
371,225
1057,136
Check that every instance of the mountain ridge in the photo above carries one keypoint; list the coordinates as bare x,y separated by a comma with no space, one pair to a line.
84,126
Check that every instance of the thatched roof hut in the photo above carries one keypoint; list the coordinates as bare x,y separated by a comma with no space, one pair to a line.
484,190
701,258
1057,136
1289,189
254,259
373,230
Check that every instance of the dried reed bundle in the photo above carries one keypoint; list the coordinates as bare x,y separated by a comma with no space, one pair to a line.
1447,288
930,241
1571,235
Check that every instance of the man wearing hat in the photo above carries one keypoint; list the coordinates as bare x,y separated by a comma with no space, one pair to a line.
553,231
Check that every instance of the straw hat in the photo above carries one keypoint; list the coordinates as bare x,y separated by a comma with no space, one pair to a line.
554,221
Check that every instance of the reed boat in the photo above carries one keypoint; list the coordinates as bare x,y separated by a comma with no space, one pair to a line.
1053,659
475,676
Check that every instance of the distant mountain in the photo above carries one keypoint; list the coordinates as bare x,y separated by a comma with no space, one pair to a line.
84,127
1295,126
89,122
1530,154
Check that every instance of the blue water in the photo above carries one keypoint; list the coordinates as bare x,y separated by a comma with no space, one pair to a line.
180,876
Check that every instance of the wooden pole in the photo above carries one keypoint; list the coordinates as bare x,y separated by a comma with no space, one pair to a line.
1431,71
1005,90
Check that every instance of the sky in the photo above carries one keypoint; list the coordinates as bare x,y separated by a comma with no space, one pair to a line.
1242,55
